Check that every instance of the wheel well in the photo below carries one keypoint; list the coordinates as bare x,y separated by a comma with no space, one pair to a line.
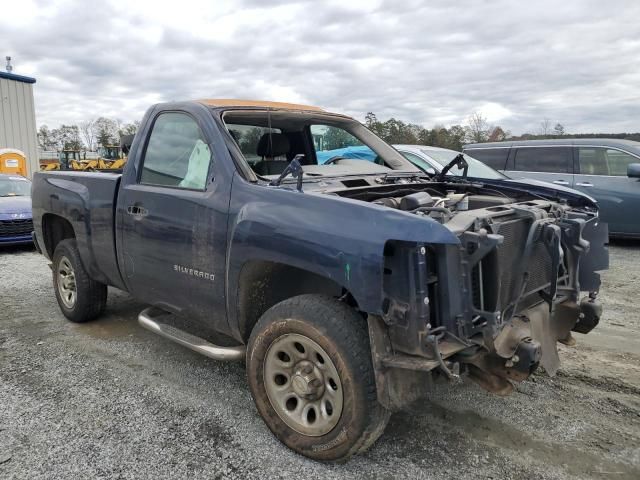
262,284
54,230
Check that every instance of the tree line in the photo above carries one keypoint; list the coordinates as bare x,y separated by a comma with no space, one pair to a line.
477,129
87,135
102,131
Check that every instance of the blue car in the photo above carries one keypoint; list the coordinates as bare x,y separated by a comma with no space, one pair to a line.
16,223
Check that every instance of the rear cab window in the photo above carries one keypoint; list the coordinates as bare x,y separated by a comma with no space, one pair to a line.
543,159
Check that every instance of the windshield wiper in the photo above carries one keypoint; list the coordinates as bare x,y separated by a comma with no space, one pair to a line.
294,169
458,161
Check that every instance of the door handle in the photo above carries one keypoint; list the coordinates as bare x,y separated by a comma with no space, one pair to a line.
561,182
584,184
137,211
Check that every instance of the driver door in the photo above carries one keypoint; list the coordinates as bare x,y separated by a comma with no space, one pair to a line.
174,222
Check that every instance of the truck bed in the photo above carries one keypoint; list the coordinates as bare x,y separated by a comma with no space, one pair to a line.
87,200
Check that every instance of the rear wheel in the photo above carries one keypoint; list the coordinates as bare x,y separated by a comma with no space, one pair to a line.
80,298
310,373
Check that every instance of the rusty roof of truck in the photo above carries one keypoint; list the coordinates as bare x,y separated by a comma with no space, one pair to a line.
231,102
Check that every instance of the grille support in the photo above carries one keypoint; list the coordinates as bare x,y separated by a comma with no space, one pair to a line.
510,266
520,255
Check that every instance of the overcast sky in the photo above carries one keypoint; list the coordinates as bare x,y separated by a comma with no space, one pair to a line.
428,62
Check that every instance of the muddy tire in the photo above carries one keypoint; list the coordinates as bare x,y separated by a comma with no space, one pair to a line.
310,372
80,298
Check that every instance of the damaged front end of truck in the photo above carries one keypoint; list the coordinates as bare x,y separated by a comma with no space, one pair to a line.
522,278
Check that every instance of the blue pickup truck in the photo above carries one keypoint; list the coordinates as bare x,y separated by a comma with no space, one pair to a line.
349,285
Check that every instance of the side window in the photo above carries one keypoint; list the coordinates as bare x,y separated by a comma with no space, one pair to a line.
331,142
543,159
177,154
604,161
494,157
618,161
591,161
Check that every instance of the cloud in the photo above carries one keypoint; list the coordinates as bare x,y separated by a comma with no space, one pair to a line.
494,112
424,62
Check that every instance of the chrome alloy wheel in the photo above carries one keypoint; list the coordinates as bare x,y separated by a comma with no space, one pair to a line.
303,385
66,283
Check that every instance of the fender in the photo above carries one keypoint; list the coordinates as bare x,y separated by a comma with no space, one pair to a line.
337,238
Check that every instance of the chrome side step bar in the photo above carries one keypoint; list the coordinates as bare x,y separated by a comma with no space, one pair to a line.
151,319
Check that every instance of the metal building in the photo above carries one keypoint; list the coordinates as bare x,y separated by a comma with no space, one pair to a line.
18,117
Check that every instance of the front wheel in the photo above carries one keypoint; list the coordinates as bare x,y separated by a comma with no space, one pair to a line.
80,297
310,372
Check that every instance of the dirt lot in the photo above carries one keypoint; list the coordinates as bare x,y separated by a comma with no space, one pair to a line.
109,399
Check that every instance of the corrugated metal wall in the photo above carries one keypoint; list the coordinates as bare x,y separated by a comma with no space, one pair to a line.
18,120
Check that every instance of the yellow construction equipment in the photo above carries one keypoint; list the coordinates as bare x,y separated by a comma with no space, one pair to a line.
70,160
67,160
111,158
13,161
48,165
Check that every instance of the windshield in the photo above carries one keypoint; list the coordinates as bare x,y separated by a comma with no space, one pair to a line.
477,169
330,145
14,187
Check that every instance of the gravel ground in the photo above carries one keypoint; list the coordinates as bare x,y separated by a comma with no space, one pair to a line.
109,399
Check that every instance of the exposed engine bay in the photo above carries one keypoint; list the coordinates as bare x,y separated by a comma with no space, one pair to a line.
500,301
446,201
445,208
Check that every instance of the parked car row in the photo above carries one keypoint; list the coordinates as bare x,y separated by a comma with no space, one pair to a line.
605,169
435,159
